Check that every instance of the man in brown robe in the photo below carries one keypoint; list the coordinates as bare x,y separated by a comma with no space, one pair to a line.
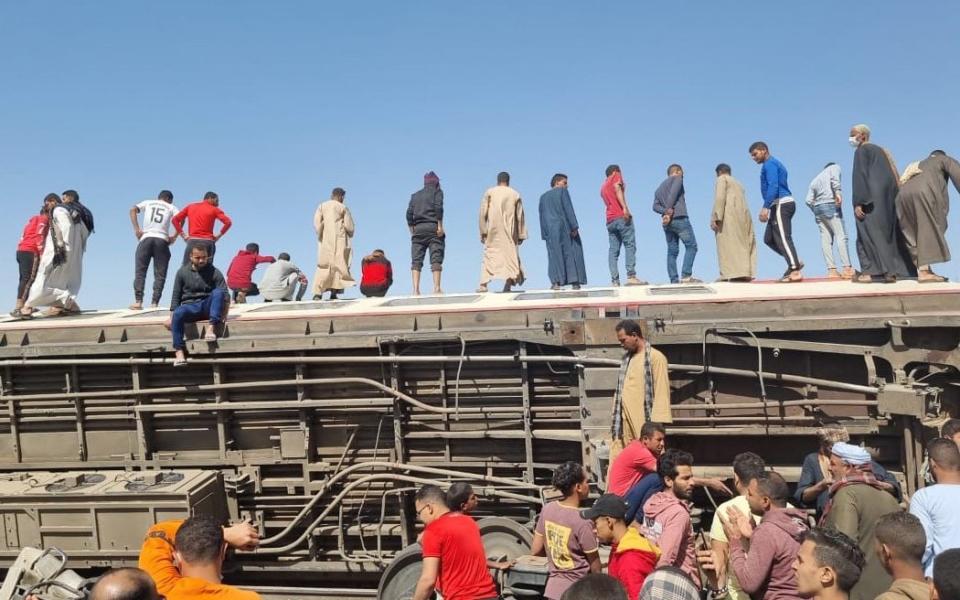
334,226
502,230
733,224
922,207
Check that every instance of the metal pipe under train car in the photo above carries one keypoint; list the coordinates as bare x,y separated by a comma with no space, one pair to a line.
317,420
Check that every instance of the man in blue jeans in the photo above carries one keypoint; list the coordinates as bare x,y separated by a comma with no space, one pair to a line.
670,203
619,227
199,292
824,199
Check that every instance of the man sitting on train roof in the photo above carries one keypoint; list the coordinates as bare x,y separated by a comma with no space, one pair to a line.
185,558
199,292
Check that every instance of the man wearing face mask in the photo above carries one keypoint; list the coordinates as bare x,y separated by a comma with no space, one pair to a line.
880,245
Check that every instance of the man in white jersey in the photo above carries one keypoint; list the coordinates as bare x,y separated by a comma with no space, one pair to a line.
155,241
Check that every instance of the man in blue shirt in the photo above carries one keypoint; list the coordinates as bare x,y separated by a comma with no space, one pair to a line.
670,203
936,505
778,209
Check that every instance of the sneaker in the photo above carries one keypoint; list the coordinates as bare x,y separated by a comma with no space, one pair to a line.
615,283
690,279
180,362
136,306
635,281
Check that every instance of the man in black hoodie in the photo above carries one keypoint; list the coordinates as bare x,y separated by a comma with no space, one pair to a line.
425,220
199,292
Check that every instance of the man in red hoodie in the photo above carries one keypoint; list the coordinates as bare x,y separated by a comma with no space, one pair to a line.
202,215
666,516
30,248
240,272
632,556
762,558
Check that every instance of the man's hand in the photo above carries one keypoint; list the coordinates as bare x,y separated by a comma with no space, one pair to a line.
217,237
710,564
138,232
665,220
168,323
171,239
483,239
838,200
501,565
714,484
858,211
715,225
440,231
764,215
242,536
626,215
737,524
575,233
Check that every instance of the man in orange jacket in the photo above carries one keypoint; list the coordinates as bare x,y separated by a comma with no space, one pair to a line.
185,558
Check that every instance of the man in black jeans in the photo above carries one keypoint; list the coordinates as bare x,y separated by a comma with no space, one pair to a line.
155,241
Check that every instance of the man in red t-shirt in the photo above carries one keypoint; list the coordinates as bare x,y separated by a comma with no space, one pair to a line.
619,227
454,562
240,272
376,275
202,215
639,458
30,247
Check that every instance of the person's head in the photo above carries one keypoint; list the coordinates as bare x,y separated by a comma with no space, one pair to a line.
199,542
570,479
944,458
125,584
951,430
829,164
166,196
378,252
747,466
430,503
946,575
900,537
830,434
827,559
938,153
212,198
675,170
669,582
50,201
503,178
654,436
608,514
612,169
461,497
338,194
676,469
199,257
594,586
558,180
283,256
70,196
759,152
253,248
846,459
723,169
630,335
431,178
766,492
859,134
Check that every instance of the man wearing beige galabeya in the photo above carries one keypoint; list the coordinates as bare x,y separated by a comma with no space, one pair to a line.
334,226
643,387
502,229
733,224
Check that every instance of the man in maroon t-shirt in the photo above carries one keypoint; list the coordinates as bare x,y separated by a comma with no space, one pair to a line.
376,275
454,562
619,227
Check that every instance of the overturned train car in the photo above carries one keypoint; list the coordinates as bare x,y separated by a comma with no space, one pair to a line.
317,420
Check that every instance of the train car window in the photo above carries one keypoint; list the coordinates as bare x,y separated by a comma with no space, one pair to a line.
301,306
560,295
680,290
431,300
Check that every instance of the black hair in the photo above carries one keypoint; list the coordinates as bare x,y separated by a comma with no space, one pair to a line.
431,493
671,459
338,192
200,248
650,427
594,586
723,169
758,146
629,327
772,485
945,453
211,196
950,428
253,247
673,169
946,574
904,533
48,198
128,583
566,476
612,169
165,195
458,495
557,179
283,256
199,540
748,466
938,153
829,164
837,551
503,177
72,194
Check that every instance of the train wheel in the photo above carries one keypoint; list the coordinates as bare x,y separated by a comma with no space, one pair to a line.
504,539
399,580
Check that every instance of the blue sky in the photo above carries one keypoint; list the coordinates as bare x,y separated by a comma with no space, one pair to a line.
272,104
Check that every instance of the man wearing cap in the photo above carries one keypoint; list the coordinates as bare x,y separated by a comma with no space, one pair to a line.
857,501
632,556
425,220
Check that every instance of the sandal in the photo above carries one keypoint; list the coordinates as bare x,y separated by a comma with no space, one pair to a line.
934,278
859,277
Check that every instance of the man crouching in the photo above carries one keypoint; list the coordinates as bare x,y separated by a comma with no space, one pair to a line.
199,292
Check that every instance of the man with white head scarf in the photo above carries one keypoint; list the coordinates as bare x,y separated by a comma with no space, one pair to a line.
857,501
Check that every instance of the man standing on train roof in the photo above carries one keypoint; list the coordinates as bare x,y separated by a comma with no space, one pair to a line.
202,216
503,228
30,248
731,221
619,227
60,272
670,202
199,292
880,245
425,220
559,228
643,387
334,226
824,199
155,241
922,207
778,209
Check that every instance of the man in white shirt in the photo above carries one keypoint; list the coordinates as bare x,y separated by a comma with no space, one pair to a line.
155,241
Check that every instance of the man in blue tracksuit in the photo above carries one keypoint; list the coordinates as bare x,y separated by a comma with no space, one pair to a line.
778,209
